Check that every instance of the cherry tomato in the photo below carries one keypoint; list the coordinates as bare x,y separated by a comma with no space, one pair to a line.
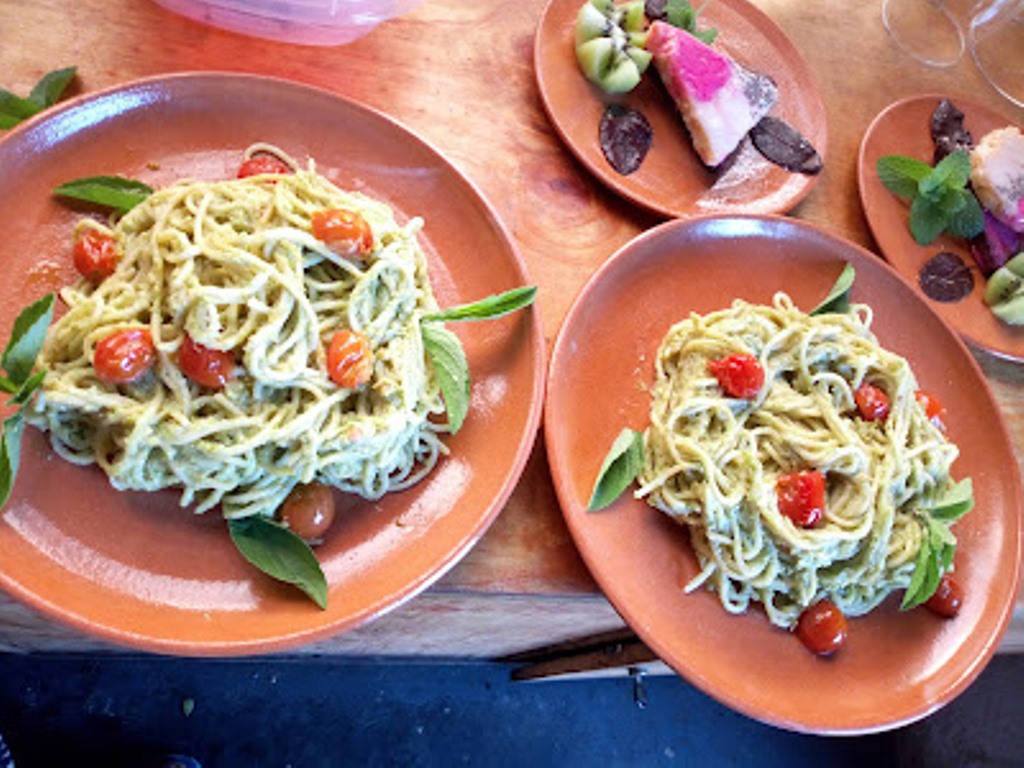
822,628
260,164
933,409
738,375
872,402
947,598
801,497
344,231
124,356
349,360
207,367
95,255
308,511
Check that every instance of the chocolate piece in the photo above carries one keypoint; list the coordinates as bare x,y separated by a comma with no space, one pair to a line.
784,145
946,277
625,136
948,132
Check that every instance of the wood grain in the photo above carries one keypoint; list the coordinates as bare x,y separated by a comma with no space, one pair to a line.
460,74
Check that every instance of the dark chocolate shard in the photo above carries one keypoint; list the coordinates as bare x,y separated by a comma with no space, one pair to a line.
948,132
946,277
784,145
625,135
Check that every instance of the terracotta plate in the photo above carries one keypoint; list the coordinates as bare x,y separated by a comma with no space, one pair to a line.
903,129
136,569
895,667
672,180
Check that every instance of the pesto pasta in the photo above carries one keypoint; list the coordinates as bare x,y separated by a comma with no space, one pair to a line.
713,462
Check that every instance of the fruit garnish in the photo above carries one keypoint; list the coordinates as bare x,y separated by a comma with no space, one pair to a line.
610,44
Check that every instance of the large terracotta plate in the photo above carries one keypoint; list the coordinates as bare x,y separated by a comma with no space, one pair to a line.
135,568
903,129
672,181
895,667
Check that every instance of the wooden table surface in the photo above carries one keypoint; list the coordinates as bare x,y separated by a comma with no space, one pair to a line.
460,74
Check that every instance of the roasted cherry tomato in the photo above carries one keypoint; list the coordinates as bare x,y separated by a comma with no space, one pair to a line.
260,164
124,356
947,598
344,231
822,628
95,255
872,402
932,408
801,497
308,511
349,360
207,367
739,375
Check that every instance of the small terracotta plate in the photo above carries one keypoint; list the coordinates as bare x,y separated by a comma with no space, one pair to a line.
137,569
672,181
894,667
903,129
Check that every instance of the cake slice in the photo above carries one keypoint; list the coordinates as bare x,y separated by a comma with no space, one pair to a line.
997,175
719,100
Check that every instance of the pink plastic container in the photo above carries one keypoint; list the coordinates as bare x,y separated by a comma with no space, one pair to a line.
309,22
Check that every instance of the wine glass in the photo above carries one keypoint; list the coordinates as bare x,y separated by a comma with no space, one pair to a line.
924,29
996,39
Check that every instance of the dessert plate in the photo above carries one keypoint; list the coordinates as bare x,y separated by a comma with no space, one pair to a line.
672,181
895,667
903,129
135,568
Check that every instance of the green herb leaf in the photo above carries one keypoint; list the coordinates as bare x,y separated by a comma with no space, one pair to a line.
969,220
493,306
619,468
838,299
281,554
953,171
50,87
115,192
911,596
32,383
448,360
682,14
954,503
901,175
927,220
27,338
10,454
14,109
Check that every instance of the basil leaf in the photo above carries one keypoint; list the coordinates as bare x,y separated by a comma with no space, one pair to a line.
10,454
448,360
49,88
27,338
911,598
489,308
954,503
8,121
32,383
280,554
901,175
115,192
14,108
838,299
619,468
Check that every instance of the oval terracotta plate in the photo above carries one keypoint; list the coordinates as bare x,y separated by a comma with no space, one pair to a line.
895,667
672,180
903,129
135,568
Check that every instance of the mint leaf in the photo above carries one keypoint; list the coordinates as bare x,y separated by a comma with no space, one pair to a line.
50,87
969,220
954,503
280,554
954,170
926,220
26,340
901,175
838,299
115,192
619,468
448,360
682,14
10,454
493,306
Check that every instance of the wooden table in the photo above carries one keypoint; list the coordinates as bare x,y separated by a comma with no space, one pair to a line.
461,75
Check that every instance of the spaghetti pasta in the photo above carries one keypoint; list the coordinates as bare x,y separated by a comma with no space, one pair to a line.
233,265
712,462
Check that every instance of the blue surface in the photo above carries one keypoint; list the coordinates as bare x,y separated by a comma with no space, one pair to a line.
128,710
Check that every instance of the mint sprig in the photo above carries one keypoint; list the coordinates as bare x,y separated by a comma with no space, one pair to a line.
682,14
938,544
14,109
445,352
21,381
939,198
